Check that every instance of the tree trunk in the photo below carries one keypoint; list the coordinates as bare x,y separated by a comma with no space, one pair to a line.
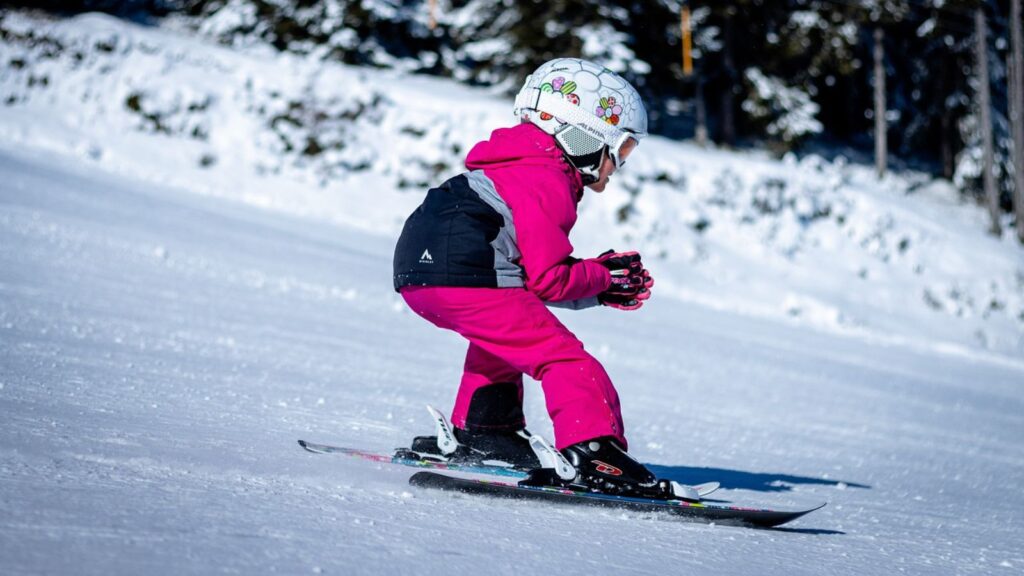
728,119
1017,113
985,118
702,117
881,131
946,123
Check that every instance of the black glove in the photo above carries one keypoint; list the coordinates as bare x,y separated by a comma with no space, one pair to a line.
631,283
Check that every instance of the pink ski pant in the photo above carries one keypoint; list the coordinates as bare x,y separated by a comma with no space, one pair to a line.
511,332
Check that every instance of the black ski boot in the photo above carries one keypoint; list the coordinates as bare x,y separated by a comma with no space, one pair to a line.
508,447
424,447
511,447
603,466
495,431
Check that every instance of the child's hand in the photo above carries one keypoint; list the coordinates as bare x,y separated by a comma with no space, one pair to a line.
631,283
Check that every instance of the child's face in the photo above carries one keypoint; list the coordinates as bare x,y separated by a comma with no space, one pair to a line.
608,166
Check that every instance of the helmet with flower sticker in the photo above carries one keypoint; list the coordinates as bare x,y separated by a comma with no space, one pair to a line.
586,107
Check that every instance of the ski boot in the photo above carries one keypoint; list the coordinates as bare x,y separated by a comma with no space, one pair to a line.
601,465
511,447
506,447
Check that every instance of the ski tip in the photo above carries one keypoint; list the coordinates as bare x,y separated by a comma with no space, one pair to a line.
794,515
305,445
806,511
776,518
802,511
812,508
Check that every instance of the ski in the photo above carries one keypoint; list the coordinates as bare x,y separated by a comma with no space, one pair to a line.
404,457
693,511
408,458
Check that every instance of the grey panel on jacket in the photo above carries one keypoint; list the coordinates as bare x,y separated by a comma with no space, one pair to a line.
580,304
506,251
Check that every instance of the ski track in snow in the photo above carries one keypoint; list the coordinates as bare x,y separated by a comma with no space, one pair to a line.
161,352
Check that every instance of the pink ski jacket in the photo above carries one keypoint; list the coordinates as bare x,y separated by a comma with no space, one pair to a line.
505,223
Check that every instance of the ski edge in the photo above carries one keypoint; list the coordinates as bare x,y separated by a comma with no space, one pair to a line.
693,511
499,471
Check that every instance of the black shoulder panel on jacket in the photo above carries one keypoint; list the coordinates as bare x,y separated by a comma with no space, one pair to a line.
447,240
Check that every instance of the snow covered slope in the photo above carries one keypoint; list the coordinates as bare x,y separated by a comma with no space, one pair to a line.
161,353
177,309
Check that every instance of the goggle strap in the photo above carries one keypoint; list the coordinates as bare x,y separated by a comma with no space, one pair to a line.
535,99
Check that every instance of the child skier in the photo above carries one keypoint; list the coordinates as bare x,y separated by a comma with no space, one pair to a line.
488,250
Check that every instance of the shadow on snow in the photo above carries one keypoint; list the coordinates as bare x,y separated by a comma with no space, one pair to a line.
755,481
740,480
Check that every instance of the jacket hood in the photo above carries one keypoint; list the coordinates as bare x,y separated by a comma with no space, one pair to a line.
521,146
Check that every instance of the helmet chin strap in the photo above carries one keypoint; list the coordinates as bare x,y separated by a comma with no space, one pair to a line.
588,179
584,152
588,165
589,171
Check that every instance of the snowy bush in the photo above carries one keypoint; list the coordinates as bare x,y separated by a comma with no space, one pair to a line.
322,133
173,112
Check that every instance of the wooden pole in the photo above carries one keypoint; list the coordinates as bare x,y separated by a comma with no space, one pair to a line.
985,118
685,28
432,24
684,25
881,128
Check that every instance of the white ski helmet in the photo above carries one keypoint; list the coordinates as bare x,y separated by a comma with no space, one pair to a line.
586,107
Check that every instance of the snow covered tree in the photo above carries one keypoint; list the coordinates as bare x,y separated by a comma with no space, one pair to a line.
788,114
125,8
499,42
787,71
389,33
969,173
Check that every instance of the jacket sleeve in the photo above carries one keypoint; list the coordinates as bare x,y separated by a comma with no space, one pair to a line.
551,273
570,279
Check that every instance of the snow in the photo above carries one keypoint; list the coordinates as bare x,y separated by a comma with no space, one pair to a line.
169,329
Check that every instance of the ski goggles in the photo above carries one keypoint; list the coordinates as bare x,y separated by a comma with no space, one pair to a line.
615,151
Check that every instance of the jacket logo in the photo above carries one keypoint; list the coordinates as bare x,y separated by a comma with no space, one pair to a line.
426,258
607,468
